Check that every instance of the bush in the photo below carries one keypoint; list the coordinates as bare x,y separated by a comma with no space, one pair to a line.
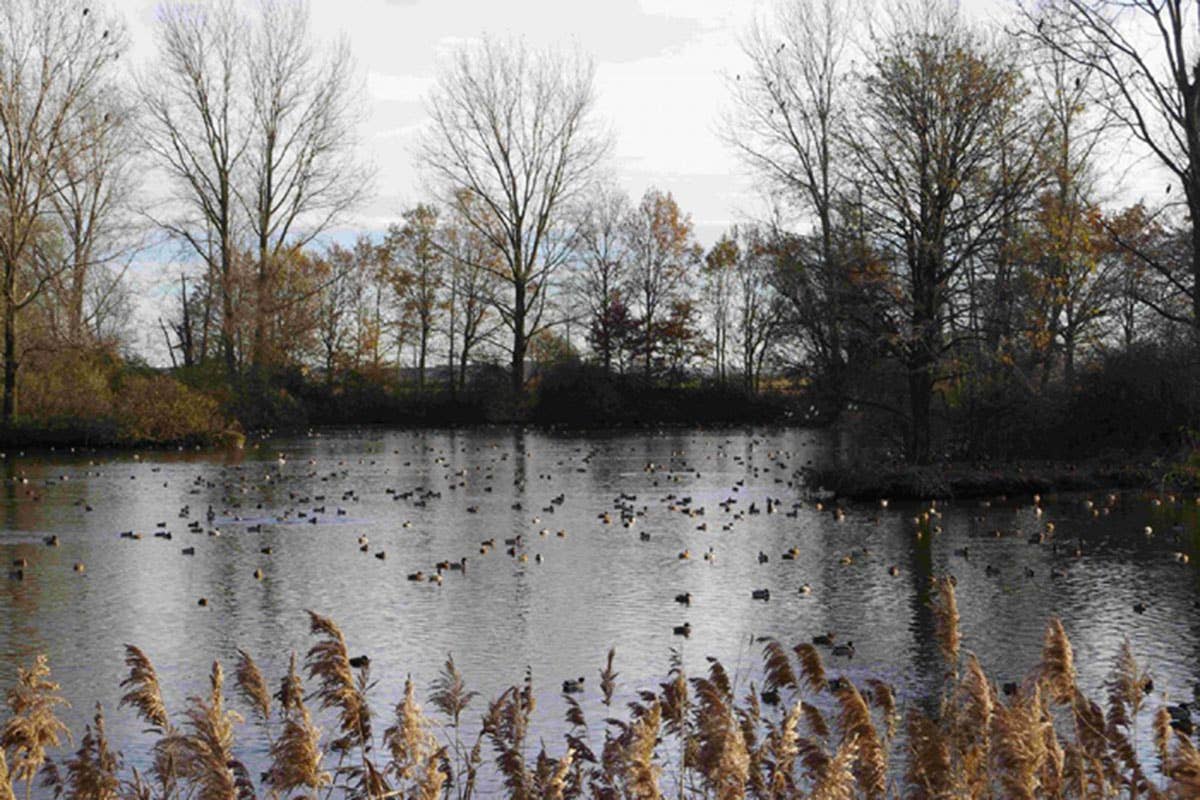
160,409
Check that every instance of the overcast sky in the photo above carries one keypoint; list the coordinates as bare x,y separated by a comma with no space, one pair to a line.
660,67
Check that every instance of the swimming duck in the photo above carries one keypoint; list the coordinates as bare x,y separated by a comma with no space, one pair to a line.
761,594
573,686
683,630
685,598
824,639
845,650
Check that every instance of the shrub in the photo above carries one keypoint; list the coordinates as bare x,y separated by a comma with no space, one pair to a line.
158,408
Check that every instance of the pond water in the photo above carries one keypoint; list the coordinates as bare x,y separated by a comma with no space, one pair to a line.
427,496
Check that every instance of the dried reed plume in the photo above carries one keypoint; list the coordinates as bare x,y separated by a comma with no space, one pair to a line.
1058,663
329,663
945,617
144,693
296,757
92,773
206,751
252,687
701,737
33,725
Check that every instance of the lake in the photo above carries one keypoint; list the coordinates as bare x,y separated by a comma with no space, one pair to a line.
426,496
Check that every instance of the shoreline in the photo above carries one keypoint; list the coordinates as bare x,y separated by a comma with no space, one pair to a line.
959,480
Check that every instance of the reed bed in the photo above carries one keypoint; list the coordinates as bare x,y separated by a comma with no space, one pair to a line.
801,734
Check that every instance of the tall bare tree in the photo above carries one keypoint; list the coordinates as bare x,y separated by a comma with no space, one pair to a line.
55,56
1145,54
303,173
514,131
92,202
196,130
789,107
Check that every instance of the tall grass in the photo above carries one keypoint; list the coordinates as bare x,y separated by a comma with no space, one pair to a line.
800,735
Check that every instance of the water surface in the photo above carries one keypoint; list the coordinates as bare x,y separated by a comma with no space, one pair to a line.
422,497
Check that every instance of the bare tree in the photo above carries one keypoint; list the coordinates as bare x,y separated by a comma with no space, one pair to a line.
99,233
719,265
1144,53
601,264
474,264
758,309
513,130
55,55
196,130
790,106
302,170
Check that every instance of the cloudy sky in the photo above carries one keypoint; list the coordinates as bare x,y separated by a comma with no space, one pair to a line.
660,67
661,71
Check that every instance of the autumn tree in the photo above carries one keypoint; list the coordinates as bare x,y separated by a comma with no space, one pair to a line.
415,264
56,60
512,144
927,147
663,256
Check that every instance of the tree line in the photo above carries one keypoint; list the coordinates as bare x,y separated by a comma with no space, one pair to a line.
941,248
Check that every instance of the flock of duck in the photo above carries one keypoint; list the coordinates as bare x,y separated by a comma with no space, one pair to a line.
239,485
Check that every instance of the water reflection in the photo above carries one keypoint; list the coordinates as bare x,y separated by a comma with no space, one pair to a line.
597,586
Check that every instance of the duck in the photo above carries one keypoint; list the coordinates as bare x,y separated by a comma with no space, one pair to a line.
416,576
683,630
573,686
381,555
762,557
189,551
805,589
1139,608
761,594
258,575
824,639
845,650
685,598
358,662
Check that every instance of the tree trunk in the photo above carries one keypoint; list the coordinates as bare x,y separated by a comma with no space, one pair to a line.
10,347
519,340
920,395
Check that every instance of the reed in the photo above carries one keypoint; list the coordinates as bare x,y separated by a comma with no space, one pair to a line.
804,735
